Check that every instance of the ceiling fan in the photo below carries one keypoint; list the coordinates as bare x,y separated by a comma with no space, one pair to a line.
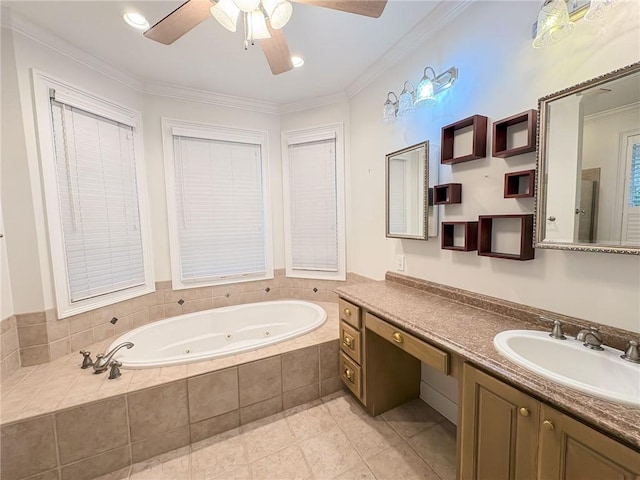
263,21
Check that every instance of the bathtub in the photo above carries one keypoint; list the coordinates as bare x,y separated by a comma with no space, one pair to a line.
217,333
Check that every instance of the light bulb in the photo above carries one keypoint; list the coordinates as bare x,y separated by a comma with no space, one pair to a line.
247,5
279,12
424,90
553,23
136,20
226,13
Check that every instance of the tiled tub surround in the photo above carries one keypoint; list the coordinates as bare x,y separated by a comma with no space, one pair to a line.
9,348
43,337
59,419
442,316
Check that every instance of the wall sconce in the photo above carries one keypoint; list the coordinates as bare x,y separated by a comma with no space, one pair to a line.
557,18
424,94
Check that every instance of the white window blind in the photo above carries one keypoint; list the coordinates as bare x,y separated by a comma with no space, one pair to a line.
313,206
220,212
98,198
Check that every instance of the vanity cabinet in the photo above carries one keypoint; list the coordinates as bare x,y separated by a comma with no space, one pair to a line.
351,348
507,434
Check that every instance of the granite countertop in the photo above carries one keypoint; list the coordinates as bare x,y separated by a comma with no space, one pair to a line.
468,331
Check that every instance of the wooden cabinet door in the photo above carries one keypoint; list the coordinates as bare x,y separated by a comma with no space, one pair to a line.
570,450
498,428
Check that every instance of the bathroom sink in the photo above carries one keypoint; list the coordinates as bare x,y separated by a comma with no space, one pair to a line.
601,374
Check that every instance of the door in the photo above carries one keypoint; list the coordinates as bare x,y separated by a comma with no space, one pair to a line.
498,428
569,450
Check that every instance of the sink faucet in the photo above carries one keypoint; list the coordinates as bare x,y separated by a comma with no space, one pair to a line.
102,360
591,338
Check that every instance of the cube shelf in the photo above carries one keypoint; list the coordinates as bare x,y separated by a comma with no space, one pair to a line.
501,134
519,184
447,194
485,226
479,148
470,236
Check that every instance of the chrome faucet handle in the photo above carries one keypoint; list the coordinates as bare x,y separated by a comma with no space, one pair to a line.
115,369
86,361
632,353
557,331
592,338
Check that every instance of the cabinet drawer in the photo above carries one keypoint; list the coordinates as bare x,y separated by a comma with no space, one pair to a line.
351,375
427,353
349,313
350,341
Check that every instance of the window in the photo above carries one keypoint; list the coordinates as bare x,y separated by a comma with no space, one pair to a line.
631,207
91,165
313,186
217,201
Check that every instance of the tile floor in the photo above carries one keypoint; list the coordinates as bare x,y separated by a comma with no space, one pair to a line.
330,438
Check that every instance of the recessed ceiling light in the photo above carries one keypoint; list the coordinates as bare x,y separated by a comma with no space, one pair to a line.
297,61
136,20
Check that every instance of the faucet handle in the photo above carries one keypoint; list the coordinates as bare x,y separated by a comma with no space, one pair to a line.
115,369
557,331
86,361
632,353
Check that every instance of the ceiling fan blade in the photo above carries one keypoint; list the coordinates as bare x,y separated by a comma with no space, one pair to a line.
369,8
277,51
180,21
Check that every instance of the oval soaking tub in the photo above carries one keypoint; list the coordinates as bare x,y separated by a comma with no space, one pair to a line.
217,332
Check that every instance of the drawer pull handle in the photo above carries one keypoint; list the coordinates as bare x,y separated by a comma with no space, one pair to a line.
347,341
347,312
397,337
548,425
524,412
348,374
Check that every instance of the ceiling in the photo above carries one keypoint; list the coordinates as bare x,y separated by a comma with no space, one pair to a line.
337,47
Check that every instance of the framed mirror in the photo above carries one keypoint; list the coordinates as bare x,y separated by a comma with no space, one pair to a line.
407,192
588,182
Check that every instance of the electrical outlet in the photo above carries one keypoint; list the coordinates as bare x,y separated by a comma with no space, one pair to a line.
400,263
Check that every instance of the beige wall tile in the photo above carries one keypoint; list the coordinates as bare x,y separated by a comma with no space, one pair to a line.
51,314
82,340
49,475
260,410
155,312
9,343
300,395
103,315
142,303
172,310
91,429
260,380
80,323
9,365
32,335
165,442
57,329
104,331
213,394
7,324
142,317
329,359
124,324
34,355
24,319
27,448
166,285
59,349
122,309
157,410
300,368
191,306
215,425
330,385
93,467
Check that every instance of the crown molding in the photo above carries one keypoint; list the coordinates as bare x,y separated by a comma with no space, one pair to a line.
208,97
21,26
441,15
313,102
612,111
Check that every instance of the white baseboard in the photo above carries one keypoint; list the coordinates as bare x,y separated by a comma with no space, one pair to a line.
442,404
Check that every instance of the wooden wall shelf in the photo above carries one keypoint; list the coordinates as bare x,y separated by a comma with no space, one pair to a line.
470,236
479,148
485,225
501,134
519,184
447,194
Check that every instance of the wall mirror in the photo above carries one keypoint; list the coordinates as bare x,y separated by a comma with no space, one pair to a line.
589,166
407,189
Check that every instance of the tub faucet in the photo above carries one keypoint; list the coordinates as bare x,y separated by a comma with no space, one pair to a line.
591,338
103,360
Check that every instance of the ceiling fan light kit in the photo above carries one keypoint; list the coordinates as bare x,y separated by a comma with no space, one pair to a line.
263,20
429,86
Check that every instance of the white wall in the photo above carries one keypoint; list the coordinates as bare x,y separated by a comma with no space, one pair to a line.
500,75
6,295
